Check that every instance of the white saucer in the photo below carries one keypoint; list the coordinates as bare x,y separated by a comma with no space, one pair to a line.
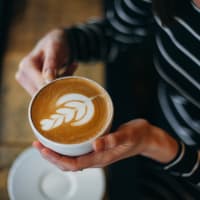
33,178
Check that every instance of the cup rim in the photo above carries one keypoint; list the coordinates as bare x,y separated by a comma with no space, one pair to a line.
51,142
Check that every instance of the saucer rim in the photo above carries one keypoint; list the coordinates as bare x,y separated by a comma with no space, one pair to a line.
20,159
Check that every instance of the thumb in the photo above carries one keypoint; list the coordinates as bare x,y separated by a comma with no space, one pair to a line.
50,67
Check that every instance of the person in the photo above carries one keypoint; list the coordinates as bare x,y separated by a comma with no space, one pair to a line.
171,146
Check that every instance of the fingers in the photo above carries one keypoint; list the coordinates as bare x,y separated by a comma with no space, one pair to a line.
42,64
38,145
106,150
29,75
26,83
63,162
109,141
69,163
53,67
102,158
128,141
50,66
93,159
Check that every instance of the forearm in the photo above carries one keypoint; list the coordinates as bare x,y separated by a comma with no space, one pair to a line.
122,27
92,42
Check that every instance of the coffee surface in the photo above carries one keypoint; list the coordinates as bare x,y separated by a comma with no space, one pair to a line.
71,110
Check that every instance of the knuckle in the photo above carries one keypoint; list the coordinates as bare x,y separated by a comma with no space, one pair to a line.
24,63
18,76
112,140
144,122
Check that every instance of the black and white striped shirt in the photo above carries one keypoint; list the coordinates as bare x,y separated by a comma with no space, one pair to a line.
176,55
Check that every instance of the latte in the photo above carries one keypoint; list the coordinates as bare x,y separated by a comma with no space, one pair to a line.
71,110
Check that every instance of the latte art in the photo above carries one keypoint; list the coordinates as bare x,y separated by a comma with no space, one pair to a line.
75,109
71,110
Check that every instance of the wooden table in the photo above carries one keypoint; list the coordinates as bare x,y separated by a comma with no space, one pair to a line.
32,19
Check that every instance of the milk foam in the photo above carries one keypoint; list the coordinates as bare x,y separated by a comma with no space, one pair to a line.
75,109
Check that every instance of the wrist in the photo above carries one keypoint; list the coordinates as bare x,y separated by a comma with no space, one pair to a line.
160,146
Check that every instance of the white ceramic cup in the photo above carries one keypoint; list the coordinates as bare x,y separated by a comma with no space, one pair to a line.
71,149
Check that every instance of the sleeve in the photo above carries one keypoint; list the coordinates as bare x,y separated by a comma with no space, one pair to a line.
126,22
186,164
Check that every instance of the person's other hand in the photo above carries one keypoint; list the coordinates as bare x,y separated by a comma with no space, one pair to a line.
43,63
137,137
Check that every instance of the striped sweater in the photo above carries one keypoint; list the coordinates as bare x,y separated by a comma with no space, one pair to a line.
176,56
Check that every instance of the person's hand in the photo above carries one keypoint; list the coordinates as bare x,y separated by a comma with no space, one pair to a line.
43,63
137,137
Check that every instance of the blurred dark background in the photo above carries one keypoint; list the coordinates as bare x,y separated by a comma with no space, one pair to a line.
5,14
